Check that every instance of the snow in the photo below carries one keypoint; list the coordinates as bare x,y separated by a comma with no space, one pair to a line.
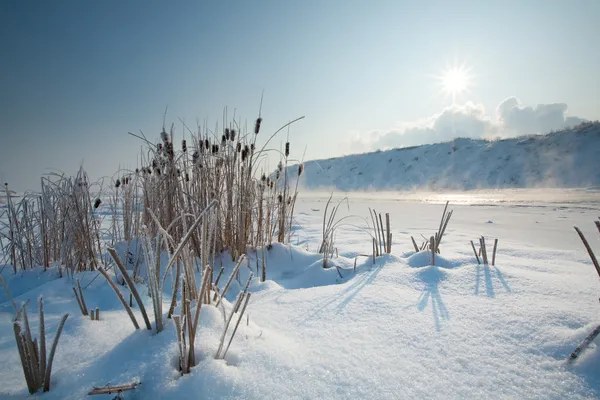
568,158
398,328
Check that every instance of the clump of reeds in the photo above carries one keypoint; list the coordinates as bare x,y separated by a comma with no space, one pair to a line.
483,251
36,367
434,245
330,224
57,225
382,238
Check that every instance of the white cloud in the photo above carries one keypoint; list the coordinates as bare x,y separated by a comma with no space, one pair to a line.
542,118
469,120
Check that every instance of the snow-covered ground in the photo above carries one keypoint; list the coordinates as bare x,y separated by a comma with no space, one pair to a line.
395,329
568,158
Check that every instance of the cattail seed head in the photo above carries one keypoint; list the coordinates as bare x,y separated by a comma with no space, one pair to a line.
207,144
232,135
195,157
159,148
287,149
226,135
280,166
165,137
244,155
257,125
97,203
280,198
184,146
252,147
239,147
117,183
300,169
224,139
187,177
263,177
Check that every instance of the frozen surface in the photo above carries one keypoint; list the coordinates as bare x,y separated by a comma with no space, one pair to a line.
396,329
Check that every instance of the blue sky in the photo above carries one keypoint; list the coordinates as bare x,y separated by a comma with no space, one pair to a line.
77,76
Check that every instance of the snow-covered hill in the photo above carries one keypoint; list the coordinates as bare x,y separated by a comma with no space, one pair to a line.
568,158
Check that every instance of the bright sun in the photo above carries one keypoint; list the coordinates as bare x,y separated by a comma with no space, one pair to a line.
455,80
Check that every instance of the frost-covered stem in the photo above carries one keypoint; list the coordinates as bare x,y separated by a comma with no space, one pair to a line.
475,251
245,289
178,331
21,349
589,250
138,299
494,252
226,327
12,301
29,347
188,235
84,306
414,244
383,236
237,324
203,289
374,250
235,270
24,362
376,237
483,250
83,312
586,342
175,290
217,281
120,296
42,334
389,233
188,317
53,351
11,231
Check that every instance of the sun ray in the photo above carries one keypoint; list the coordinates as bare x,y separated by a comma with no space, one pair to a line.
455,80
